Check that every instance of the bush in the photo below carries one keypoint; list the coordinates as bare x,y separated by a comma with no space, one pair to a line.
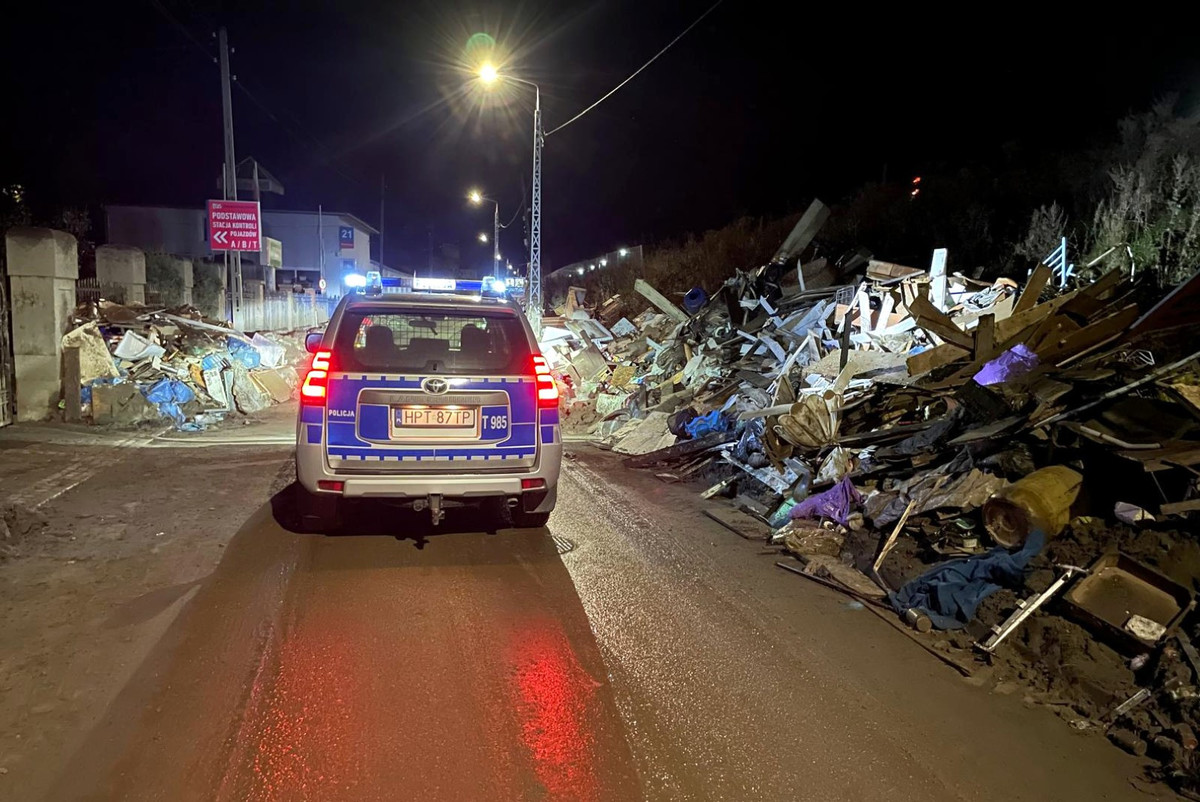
1152,207
208,291
164,277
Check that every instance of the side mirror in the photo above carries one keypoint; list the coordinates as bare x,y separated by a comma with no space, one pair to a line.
312,341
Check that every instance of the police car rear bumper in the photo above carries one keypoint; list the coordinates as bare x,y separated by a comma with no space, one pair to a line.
311,469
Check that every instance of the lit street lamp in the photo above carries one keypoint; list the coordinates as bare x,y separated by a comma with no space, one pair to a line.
476,197
489,75
483,237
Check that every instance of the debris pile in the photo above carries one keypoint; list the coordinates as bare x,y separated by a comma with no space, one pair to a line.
137,364
1013,471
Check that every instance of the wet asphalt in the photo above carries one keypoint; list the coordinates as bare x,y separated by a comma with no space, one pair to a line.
632,650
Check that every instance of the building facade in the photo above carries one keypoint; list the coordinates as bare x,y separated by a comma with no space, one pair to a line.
316,245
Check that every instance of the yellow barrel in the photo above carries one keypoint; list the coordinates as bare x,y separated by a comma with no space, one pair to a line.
1042,500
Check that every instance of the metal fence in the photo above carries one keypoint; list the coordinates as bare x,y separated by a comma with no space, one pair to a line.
284,311
90,290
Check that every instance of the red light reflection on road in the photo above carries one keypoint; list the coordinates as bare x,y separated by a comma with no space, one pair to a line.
300,738
554,700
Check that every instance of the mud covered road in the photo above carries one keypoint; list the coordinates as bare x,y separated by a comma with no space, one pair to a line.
634,650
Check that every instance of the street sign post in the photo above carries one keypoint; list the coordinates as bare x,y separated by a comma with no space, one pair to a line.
234,225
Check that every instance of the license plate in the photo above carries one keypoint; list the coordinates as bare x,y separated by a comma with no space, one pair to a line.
436,418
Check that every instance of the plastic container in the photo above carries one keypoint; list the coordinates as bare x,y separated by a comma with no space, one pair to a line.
1042,500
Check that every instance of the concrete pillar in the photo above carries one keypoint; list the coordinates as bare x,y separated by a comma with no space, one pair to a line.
185,267
42,268
124,266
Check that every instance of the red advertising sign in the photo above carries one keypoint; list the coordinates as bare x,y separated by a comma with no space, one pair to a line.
234,225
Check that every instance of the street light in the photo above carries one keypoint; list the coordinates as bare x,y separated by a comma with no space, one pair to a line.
483,237
604,263
623,252
477,198
489,75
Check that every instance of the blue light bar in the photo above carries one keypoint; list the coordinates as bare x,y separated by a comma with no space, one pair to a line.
469,286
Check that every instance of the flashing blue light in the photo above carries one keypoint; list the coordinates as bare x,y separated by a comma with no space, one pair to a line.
354,280
498,286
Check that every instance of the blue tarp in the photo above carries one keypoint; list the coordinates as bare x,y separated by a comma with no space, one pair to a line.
950,593
706,424
167,395
245,353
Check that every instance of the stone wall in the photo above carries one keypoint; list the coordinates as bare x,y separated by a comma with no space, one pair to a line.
43,265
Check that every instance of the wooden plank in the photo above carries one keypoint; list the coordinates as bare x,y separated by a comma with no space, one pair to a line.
72,386
887,545
1005,329
1180,507
1088,336
806,229
658,299
935,321
985,337
1033,289
1178,454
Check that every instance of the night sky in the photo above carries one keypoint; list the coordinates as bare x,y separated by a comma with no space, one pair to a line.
755,111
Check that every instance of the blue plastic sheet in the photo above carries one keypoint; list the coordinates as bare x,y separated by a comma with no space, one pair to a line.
167,395
950,593
707,424
245,353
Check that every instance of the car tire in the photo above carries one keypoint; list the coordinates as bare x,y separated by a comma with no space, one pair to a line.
318,513
529,520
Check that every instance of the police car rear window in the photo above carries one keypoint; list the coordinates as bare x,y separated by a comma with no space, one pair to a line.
426,341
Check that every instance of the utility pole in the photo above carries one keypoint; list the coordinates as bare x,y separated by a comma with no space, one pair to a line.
534,311
381,187
321,244
495,239
230,170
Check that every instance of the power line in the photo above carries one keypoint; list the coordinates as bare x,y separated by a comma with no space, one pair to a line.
613,91
295,131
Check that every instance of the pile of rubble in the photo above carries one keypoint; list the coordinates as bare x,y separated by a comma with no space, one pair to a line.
1010,471
126,365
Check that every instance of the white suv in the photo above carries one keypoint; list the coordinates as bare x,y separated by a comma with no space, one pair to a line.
432,400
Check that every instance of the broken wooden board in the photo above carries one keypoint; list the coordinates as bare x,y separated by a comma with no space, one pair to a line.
935,321
658,299
890,272
1033,289
739,523
806,229
1180,507
1171,455
1005,330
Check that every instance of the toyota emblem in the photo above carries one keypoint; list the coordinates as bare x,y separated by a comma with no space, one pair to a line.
435,386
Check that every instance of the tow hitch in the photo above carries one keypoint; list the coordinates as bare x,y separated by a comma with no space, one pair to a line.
434,503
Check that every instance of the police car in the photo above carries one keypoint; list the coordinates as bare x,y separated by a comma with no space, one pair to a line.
434,399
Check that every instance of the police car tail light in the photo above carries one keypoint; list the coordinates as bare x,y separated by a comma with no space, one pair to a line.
315,386
547,390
